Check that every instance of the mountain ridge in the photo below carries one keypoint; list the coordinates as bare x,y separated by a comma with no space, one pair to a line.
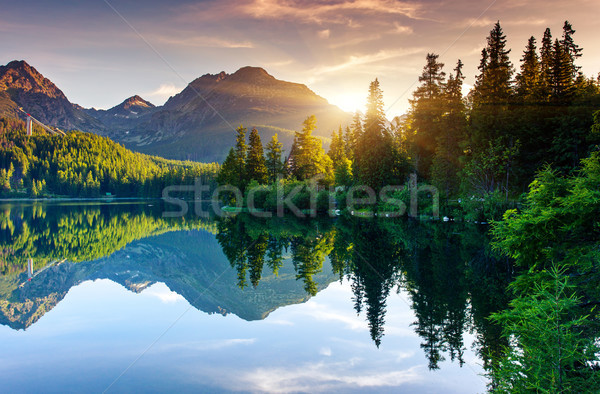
198,123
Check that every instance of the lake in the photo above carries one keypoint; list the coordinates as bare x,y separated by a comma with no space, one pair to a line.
112,297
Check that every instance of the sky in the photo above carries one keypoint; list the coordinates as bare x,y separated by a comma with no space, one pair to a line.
99,52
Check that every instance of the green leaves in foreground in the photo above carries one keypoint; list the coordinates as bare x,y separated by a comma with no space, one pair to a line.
551,349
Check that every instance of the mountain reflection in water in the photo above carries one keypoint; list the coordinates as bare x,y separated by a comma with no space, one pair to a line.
250,267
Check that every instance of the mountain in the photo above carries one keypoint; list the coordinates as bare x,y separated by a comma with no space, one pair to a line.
124,116
196,124
199,122
21,85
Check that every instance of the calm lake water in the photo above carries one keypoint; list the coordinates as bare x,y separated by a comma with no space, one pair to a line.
113,297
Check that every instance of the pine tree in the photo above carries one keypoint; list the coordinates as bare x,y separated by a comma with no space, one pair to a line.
233,170
228,172
573,50
562,74
349,142
494,84
528,80
426,113
336,148
546,61
308,155
240,179
274,160
493,135
256,169
376,159
353,134
446,162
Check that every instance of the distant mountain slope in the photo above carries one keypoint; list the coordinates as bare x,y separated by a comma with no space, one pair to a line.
196,124
21,85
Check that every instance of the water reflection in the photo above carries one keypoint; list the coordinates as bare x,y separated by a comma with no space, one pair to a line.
453,280
250,266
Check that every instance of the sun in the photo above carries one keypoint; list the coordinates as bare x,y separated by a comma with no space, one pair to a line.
349,102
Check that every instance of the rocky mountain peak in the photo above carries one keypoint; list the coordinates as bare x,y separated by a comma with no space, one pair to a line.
136,101
252,75
19,75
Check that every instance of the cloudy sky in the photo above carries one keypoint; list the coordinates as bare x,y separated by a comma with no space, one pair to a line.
100,52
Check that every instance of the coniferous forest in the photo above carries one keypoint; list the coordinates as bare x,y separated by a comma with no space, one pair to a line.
487,146
85,165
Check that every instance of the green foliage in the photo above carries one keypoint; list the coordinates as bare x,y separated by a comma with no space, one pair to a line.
553,321
560,222
86,165
274,161
551,349
377,157
48,233
256,169
309,158
485,208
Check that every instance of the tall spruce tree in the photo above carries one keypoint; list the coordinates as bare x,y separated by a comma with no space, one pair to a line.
233,171
446,161
528,80
308,155
336,148
426,112
376,158
274,159
573,50
493,137
228,173
562,74
353,134
546,60
495,80
256,169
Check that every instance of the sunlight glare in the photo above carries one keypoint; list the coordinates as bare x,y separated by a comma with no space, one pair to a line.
349,102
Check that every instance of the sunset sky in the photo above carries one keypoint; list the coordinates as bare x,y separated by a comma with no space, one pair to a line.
101,52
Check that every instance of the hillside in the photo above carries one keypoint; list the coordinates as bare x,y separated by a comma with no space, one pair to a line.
84,165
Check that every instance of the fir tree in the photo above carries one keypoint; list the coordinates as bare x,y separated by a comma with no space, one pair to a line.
573,50
426,113
376,159
336,148
494,83
308,155
353,134
562,74
228,173
446,164
274,160
546,61
528,80
255,161
239,176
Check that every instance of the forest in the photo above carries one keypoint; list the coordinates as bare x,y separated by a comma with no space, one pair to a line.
85,165
486,147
